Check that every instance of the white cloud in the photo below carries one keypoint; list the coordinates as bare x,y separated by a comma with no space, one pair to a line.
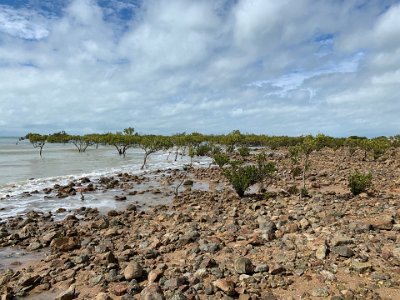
283,67
23,23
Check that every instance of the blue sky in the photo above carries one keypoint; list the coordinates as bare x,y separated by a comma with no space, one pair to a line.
285,67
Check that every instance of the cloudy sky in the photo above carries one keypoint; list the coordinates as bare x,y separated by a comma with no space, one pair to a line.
165,66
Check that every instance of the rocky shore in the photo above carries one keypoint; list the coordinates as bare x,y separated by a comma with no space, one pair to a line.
207,243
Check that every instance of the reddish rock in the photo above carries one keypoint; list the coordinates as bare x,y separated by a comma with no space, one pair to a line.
119,289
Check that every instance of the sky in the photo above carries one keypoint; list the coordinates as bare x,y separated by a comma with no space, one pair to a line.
287,67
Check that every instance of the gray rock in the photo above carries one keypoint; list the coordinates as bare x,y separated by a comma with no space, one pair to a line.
178,296
320,292
68,294
34,246
361,267
152,292
339,240
261,268
344,251
175,283
243,265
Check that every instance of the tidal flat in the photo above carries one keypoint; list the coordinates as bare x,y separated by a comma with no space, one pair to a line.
203,241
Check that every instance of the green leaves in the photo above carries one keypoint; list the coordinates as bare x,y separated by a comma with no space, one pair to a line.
243,176
359,182
221,159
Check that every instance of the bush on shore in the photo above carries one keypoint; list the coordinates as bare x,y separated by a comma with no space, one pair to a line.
359,182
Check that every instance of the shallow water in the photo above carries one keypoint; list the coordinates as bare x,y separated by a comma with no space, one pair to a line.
16,259
23,170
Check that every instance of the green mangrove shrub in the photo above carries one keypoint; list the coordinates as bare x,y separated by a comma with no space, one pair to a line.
241,176
244,151
359,182
220,159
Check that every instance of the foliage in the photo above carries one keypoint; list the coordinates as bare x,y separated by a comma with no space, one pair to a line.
359,182
244,151
197,144
203,150
151,144
221,159
378,147
300,159
241,177
304,192
81,142
37,140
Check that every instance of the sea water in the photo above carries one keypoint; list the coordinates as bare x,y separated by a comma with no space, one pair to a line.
23,170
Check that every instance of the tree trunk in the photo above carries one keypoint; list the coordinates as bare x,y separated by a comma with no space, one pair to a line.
176,155
144,160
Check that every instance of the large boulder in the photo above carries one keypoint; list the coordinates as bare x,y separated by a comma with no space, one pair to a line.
64,244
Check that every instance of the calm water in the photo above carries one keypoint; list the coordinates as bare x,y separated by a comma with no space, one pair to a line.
23,170
21,162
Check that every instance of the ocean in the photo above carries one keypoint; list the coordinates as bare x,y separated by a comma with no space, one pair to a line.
23,170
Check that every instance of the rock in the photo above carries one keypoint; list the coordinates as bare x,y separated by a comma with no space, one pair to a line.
200,272
64,244
178,296
261,268
47,238
360,227
267,228
7,296
276,269
119,289
321,252
339,240
34,246
96,280
225,285
133,271
103,296
119,198
396,253
175,282
29,280
152,292
81,259
343,251
5,277
189,237
131,207
320,292
384,222
328,275
108,258
304,223
361,267
154,275
243,265
111,232
68,294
